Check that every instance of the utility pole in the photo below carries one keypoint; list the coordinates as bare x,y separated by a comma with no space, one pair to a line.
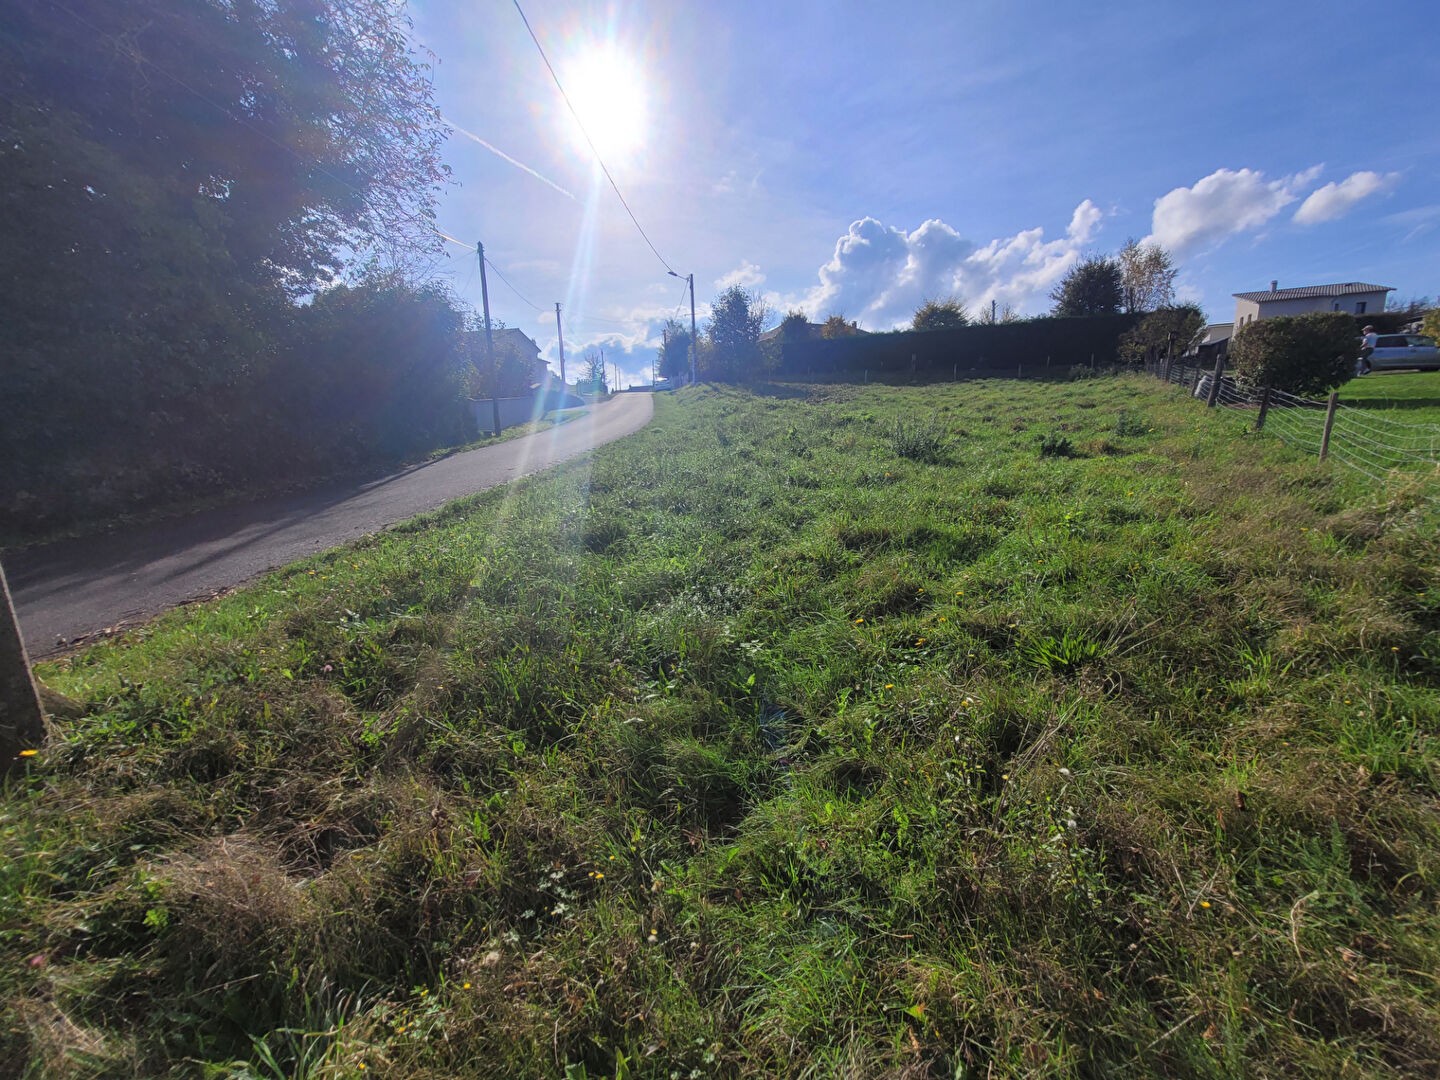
561,331
489,342
22,725
694,333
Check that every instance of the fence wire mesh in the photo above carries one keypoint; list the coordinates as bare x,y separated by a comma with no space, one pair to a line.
1366,440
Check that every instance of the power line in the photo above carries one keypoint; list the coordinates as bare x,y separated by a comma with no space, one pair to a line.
491,263
588,141
413,219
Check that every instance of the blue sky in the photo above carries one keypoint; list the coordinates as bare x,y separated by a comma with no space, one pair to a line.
859,157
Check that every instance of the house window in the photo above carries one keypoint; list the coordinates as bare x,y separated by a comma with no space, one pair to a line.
1359,307
1335,306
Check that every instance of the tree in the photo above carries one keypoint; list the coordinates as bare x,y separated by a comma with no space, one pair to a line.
835,327
1430,323
1301,354
675,352
376,371
1091,287
733,335
992,314
298,132
173,178
793,327
1147,277
1178,326
947,313
592,374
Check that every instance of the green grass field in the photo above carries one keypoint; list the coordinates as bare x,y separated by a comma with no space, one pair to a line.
986,729
1413,397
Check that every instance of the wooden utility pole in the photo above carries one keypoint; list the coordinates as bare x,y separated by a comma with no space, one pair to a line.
489,342
560,330
694,334
22,725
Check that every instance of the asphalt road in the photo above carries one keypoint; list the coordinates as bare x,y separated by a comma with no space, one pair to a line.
74,589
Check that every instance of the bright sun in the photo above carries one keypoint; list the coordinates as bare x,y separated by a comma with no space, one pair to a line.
608,92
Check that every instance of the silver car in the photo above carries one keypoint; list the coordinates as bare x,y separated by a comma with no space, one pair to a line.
1405,351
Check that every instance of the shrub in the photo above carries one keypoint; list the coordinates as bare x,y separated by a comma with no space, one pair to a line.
1056,446
918,441
1303,354
1130,425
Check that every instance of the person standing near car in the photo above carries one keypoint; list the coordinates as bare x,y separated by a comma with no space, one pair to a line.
1367,350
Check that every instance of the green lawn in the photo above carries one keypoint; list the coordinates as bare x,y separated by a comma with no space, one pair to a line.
1414,396
750,747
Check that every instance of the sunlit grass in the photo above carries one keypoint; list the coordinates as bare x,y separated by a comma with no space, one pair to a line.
753,745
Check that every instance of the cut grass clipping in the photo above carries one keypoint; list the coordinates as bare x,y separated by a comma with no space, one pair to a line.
757,746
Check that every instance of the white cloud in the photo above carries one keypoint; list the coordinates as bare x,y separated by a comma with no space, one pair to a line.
879,274
1226,202
746,274
1335,200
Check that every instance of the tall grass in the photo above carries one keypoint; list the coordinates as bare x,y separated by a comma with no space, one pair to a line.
753,747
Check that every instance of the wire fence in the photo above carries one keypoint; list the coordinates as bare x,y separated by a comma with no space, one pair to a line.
1366,440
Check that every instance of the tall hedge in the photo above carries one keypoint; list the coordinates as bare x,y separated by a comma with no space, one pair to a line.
1303,354
994,349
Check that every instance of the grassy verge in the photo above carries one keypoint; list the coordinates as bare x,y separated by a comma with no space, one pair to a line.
992,729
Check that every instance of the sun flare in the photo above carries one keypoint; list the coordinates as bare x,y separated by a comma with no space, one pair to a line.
608,91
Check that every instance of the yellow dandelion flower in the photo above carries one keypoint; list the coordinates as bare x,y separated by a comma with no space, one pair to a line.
889,686
1205,903
859,621
465,986
28,753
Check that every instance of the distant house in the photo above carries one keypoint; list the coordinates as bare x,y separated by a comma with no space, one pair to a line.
524,346
1216,337
1351,297
809,332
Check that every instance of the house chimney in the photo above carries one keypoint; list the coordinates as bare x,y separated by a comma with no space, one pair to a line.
1274,285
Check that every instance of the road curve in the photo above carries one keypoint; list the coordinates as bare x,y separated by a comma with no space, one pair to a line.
70,590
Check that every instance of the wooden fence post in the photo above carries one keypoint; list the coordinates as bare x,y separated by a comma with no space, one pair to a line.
1264,408
1329,423
22,725
1215,382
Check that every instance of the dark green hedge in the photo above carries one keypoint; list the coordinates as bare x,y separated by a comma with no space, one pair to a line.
1002,349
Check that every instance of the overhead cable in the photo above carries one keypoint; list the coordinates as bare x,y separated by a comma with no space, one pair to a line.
588,141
